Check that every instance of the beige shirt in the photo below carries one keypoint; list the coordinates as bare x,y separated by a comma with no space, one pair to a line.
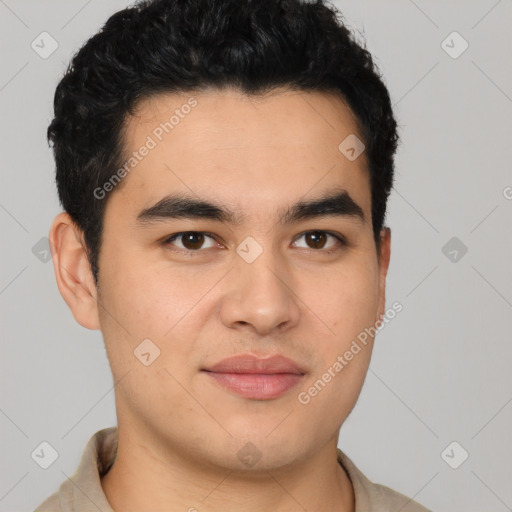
84,492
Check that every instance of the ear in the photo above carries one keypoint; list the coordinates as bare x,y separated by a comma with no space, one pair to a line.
73,272
383,261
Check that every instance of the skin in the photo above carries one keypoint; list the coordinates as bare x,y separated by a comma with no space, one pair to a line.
179,432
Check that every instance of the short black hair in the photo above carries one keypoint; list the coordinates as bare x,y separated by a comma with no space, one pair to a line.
165,46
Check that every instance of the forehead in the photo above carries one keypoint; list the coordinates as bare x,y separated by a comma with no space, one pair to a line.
228,144
234,116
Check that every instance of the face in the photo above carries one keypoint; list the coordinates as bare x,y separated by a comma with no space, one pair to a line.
281,261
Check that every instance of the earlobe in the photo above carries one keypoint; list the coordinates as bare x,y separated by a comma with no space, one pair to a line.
72,271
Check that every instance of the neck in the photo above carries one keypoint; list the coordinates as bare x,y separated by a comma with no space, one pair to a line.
144,477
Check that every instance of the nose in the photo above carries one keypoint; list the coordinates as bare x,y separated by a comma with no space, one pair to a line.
260,296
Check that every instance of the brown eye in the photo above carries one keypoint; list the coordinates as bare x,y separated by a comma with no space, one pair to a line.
316,239
319,241
192,241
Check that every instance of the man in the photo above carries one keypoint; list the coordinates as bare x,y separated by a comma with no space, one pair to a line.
224,167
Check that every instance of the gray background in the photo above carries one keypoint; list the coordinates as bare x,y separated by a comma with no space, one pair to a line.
440,370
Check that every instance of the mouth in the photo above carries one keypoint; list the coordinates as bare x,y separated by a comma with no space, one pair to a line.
256,378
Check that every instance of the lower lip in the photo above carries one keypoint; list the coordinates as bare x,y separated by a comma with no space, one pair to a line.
257,386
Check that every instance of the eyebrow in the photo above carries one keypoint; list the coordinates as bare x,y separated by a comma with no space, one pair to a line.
334,204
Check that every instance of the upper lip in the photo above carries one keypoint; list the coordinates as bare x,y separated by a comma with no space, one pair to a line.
248,363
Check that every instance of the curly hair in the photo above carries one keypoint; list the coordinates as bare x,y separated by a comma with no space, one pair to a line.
256,46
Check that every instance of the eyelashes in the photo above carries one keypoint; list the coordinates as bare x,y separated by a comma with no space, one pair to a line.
193,242
192,237
340,239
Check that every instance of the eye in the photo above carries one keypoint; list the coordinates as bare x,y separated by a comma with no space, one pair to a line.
194,241
191,240
317,240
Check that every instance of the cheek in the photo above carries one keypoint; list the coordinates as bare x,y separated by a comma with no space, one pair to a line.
147,299
347,306
153,303
346,303
344,300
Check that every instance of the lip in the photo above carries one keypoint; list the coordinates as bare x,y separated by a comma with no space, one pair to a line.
248,363
256,378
